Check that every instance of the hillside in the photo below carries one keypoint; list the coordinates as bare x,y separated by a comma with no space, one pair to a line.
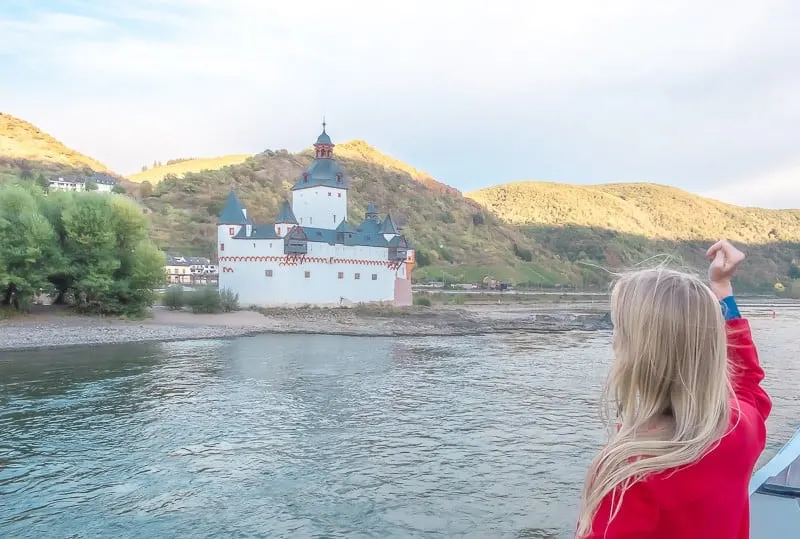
179,167
454,236
619,225
24,145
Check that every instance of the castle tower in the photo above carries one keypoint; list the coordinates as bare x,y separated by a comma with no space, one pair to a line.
232,218
286,220
319,197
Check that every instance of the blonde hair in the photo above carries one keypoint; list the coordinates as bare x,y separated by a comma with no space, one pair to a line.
669,383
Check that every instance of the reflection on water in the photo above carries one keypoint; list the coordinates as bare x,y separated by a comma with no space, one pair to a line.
298,436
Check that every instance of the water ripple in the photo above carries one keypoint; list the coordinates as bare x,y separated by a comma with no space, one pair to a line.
284,436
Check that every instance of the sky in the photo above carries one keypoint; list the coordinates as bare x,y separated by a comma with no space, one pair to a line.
699,94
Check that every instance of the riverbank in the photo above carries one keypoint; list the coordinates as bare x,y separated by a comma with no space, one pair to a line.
52,328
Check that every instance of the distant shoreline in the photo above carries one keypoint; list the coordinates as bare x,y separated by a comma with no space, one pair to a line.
54,328
45,329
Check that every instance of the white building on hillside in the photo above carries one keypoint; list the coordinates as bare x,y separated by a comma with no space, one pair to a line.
311,254
104,182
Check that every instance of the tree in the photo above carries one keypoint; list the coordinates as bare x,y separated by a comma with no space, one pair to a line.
27,247
145,189
90,186
118,189
144,167
43,182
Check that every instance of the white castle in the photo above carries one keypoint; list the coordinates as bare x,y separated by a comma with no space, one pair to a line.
311,254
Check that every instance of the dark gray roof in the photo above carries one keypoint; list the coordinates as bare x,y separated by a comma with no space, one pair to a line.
286,215
388,226
322,172
323,138
233,212
367,235
371,209
180,260
345,226
264,231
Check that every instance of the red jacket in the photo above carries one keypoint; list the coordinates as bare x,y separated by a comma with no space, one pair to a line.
709,499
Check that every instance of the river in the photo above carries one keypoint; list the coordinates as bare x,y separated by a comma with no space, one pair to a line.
318,436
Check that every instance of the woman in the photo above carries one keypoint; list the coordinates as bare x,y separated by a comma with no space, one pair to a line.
691,414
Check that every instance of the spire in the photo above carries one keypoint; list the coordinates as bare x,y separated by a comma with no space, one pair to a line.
324,146
372,212
388,226
286,215
233,213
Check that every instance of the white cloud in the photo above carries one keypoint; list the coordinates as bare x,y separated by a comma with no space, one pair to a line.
689,93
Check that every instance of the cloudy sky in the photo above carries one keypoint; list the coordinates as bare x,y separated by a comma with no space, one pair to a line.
699,94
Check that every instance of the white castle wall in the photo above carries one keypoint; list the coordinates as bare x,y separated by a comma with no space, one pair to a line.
289,285
315,207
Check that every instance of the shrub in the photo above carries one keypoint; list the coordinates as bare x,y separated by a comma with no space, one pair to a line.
174,298
205,300
422,301
229,301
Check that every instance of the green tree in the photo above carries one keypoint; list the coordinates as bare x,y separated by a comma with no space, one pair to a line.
43,182
90,186
118,189
145,189
27,247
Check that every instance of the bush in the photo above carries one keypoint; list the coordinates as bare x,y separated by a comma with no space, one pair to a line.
118,189
211,300
422,301
174,298
229,301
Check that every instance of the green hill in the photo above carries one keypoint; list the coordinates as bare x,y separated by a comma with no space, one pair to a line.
179,167
537,233
25,148
619,225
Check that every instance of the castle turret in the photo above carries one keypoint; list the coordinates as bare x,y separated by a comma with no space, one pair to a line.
319,197
388,228
232,218
286,219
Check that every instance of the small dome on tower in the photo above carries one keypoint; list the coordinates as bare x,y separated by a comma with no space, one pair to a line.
324,138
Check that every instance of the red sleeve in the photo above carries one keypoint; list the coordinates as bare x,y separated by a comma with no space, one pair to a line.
746,372
637,516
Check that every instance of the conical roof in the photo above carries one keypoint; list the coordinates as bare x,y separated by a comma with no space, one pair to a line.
388,226
233,213
286,215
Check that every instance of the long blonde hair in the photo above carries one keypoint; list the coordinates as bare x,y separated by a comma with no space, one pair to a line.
669,383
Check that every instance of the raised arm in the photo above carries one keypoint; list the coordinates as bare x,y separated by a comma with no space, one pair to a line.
746,372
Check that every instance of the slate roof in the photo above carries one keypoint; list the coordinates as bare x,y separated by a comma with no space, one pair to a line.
345,226
179,260
286,215
323,138
323,172
388,226
263,231
233,212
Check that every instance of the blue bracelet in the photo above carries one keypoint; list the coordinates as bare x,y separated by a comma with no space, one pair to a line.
729,308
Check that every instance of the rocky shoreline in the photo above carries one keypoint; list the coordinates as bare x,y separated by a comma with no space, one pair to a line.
47,330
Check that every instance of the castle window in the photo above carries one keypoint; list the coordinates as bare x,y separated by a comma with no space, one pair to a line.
334,218
221,246
374,276
310,220
358,276
268,273
231,231
308,275
340,195
341,275
329,193
279,233
254,245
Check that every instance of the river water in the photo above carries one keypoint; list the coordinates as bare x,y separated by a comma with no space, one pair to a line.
298,436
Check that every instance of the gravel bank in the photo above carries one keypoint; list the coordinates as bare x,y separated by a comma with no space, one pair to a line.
45,329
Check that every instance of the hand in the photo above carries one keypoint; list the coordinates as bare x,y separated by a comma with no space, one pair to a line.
725,258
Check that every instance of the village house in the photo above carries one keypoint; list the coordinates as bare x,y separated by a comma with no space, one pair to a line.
190,270
311,254
104,182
